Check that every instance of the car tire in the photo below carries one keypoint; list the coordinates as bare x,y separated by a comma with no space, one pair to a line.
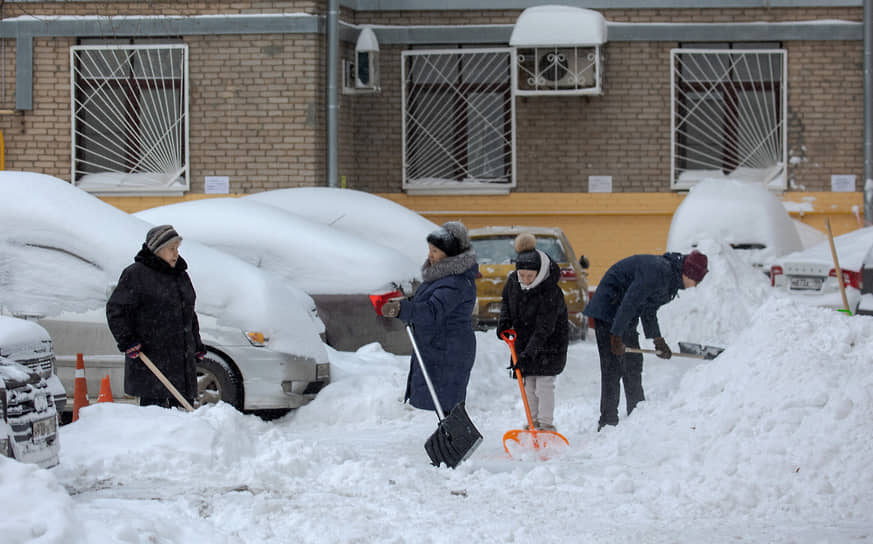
218,381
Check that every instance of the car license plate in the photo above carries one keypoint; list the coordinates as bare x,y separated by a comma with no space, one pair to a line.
803,283
44,428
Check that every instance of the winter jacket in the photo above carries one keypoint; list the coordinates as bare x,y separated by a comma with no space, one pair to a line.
441,313
539,317
635,287
153,305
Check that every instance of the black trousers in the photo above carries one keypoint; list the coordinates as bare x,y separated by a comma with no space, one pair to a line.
614,370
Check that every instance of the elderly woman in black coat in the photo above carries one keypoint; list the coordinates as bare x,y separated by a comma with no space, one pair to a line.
533,304
152,310
442,315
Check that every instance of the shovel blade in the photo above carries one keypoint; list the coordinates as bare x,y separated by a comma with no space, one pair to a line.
454,440
544,443
708,352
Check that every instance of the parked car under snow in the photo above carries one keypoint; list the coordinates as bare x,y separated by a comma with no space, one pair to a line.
63,251
338,269
810,276
745,215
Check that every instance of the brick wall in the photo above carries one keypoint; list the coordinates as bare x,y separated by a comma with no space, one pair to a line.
258,116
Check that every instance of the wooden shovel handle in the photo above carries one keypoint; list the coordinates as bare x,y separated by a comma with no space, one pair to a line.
160,375
837,266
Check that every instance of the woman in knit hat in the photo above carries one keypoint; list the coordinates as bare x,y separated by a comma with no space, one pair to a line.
152,310
632,290
533,304
442,315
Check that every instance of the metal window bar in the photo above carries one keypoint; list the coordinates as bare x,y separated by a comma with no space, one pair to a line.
130,115
458,117
728,114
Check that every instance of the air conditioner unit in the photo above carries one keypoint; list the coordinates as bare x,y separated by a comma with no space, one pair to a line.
567,68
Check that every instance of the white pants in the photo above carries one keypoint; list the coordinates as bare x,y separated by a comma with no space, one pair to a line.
540,392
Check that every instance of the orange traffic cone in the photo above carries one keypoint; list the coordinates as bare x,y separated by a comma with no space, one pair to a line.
105,390
80,389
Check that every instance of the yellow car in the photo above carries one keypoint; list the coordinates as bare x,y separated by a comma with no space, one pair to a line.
495,253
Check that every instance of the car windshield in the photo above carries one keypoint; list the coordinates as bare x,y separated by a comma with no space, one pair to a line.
500,249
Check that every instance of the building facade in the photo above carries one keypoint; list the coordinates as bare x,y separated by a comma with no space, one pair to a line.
235,96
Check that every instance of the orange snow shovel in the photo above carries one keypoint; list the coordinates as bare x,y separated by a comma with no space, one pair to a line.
544,442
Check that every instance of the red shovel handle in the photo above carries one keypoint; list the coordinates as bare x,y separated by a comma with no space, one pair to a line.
509,337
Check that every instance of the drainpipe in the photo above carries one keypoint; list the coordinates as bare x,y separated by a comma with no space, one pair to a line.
331,99
868,110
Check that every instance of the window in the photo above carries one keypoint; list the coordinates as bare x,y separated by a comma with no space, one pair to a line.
130,117
728,114
458,121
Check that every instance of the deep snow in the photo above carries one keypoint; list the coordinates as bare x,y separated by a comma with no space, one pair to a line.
769,442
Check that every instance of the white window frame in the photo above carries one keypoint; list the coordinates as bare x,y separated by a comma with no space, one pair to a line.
165,172
749,139
469,186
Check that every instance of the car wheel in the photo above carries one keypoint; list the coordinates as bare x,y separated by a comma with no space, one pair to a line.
217,381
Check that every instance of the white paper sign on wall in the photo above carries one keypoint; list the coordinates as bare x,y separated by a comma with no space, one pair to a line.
599,184
843,183
217,185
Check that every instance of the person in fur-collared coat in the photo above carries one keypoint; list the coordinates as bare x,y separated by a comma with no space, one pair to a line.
533,305
441,313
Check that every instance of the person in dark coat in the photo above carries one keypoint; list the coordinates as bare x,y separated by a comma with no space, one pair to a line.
533,305
152,310
632,290
441,313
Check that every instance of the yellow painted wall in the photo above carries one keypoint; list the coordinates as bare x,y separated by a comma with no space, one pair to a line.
605,227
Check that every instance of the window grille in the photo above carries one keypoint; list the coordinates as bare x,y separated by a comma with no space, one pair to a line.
458,120
130,118
728,116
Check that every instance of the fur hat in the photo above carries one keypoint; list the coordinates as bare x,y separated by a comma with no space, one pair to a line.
528,256
160,236
525,242
451,238
694,265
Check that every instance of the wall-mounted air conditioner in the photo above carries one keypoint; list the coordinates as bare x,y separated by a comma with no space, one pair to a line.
361,75
557,51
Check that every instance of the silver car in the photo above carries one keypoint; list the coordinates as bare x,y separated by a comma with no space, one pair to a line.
239,369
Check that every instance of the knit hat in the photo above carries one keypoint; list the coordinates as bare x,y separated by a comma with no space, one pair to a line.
694,265
160,236
451,238
526,247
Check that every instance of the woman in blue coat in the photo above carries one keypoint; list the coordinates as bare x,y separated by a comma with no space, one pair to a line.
441,313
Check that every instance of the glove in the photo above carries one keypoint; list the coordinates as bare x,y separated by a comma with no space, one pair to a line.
200,355
616,345
391,308
133,351
662,350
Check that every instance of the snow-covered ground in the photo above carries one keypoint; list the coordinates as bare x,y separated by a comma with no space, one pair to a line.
769,442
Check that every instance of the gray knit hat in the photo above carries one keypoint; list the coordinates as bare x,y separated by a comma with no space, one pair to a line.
160,236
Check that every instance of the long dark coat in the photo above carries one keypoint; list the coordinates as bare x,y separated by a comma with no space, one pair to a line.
635,287
441,313
539,317
153,305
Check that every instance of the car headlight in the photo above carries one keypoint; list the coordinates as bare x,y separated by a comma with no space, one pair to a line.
257,339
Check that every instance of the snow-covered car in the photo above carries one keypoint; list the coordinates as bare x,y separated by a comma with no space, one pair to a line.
810,276
63,250
28,418
495,251
361,214
745,215
29,344
337,269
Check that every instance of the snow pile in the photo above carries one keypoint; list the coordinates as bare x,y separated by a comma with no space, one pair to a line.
720,307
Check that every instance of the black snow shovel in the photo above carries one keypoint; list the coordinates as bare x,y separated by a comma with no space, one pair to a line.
456,437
